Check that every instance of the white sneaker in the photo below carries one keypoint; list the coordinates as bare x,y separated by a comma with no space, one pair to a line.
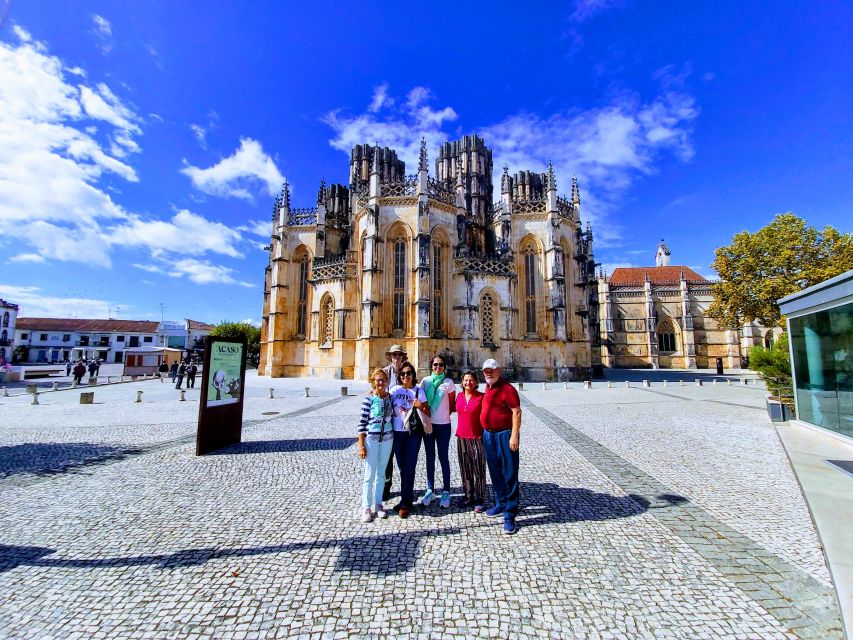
367,516
445,500
380,512
427,498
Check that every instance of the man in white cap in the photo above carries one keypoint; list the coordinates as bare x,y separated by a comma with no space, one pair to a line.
397,356
501,419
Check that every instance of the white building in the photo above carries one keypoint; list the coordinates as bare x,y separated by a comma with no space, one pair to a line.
8,318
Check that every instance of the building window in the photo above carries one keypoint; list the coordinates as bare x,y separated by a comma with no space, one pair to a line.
399,297
529,256
66,337
147,339
487,318
6,319
437,288
768,340
302,304
119,338
666,337
327,320
43,336
24,336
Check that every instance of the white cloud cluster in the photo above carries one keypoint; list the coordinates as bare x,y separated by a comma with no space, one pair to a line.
34,303
197,271
585,9
103,33
238,175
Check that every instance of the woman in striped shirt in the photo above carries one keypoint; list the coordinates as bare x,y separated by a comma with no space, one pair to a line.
375,442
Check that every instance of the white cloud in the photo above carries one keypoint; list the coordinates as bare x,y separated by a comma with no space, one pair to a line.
261,228
35,303
238,175
197,271
104,105
380,98
199,133
585,9
186,233
104,33
27,257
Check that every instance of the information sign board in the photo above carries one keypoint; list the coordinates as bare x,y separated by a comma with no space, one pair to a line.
220,412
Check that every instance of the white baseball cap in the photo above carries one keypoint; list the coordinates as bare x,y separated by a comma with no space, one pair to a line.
491,363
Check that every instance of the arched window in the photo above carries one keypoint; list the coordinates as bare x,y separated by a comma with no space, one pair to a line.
399,294
437,287
666,337
487,318
327,320
529,260
363,248
4,335
6,319
768,340
302,300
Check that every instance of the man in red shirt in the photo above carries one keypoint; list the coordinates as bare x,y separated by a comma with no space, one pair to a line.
501,420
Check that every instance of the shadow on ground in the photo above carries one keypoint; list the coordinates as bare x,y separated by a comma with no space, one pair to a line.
286,446
52,458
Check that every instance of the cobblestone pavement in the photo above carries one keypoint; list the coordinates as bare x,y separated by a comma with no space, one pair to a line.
644,516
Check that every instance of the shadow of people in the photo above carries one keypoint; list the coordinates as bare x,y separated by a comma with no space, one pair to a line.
48,458
285,446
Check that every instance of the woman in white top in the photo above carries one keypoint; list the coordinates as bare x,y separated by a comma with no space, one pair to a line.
441,396
408,433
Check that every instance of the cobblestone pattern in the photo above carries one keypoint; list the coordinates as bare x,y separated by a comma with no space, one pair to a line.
794,597
260,541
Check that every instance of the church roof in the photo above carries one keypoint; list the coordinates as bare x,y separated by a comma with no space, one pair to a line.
624,276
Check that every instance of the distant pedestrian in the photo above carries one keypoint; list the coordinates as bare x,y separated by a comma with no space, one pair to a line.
469,442
182,370
173,371
79,372
163,370
93,368
68,367
191,371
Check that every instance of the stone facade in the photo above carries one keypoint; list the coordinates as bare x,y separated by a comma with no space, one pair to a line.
432,263
655,317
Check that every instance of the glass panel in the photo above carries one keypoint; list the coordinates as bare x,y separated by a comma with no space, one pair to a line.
530,291
488,319
302,305
436,289
821,344
400,284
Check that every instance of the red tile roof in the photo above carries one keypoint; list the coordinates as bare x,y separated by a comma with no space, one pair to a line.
657,275
84,325
196,325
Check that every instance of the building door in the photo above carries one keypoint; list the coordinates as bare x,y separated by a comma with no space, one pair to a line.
118,356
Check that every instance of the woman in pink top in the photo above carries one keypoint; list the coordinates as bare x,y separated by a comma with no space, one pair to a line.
469,442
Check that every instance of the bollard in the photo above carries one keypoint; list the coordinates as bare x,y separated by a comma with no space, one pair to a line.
35,398
139,396
183,399
609,384
521,386
109,379
665,383
271,393
56,386
306,392
344,392
681,383
32,388
565,385
646,383
74,384
87,397
5,392
715,382
746,381
134,378
544,386
627,383
93,381
587,384
698,382
728,383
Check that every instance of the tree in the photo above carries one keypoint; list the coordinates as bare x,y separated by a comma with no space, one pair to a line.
773,364
241,330
784,257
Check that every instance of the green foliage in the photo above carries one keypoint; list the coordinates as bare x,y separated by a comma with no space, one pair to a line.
784,257
241,330
774,364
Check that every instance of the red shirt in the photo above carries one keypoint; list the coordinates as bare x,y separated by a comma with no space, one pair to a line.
469,415
498,402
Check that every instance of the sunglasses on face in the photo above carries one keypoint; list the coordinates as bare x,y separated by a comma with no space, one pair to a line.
437,364
404,374
488,372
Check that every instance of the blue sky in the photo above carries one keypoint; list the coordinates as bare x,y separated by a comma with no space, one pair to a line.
141,144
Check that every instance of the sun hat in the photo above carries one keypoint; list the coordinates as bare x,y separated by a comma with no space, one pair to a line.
395,348
491,363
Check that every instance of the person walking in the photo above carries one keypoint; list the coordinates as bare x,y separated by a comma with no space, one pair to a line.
501,419
375,443
441,397
182,371
469,442
396,356
163,370
408,399
93,368
68,367
191,371
79,372
173,371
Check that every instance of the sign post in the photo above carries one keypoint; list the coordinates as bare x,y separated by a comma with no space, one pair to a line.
220,411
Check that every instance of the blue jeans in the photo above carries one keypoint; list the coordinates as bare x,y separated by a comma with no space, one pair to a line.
374,469
440,436
407,446
503,469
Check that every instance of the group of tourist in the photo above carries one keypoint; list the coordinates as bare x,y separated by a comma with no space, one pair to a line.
400,414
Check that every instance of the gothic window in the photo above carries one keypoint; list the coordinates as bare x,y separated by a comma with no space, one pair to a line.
487,318
437,287
364,264
529,261
327,320
768,340
666,337
399,294
302,302
6,319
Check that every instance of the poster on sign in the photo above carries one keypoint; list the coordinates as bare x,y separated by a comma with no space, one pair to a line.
220,411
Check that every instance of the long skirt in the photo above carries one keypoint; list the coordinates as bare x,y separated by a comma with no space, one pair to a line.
472,465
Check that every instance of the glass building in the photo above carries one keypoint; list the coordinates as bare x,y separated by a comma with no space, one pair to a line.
820,330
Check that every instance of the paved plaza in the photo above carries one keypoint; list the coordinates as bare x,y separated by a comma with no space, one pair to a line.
647,512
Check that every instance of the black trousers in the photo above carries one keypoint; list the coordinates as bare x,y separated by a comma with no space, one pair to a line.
389,479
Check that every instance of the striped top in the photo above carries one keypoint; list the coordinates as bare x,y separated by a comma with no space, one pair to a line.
377,415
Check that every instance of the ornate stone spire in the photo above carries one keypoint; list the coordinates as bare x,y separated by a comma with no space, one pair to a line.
423,164
662,254
285,195
550,178
321,192
375,167
505,180
459,182
576,194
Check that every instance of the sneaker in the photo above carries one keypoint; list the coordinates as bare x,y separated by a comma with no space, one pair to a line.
380,512
510,527
367,516
403,512
478,508
494,511
427,498
444,503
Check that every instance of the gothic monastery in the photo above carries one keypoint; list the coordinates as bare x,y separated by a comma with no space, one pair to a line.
435,263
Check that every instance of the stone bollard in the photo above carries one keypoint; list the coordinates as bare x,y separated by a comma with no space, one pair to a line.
521,386
35,398
139,396
87,397
344,392
32,388
587,384
646,383
715,382
698,382
728,382
544,386
56,386
681,383
93,381
306,392
74,384
109,379
183,395
272,393
746,381
5,392
565,385
627,383
609,384
134,378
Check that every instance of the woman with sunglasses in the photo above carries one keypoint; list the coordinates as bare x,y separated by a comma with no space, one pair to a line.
441,397
407,398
